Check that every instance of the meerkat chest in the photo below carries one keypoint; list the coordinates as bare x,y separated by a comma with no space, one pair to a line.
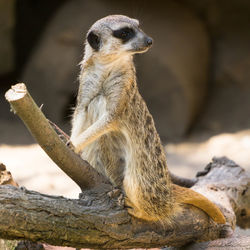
96,108
91,91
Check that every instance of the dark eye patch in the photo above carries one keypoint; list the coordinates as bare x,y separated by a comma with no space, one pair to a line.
124,34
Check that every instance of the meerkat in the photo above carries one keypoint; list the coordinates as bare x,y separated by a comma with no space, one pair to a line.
114,131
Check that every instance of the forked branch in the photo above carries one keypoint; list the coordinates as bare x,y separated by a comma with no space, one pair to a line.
76,168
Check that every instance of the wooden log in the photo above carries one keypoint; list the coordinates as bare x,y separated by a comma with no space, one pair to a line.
97,221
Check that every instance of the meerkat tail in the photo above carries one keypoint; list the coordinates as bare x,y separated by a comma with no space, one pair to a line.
189,196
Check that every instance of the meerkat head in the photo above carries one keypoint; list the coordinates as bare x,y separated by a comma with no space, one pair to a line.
116,35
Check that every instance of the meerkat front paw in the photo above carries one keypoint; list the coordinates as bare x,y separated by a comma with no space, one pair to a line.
128,203
74,145
77,150
136,212
130,207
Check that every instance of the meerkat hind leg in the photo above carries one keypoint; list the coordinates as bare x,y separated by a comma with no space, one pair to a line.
134,211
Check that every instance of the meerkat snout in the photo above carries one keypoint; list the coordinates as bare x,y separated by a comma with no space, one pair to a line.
141,46
149,41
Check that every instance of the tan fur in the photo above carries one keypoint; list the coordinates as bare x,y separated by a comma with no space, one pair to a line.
114,131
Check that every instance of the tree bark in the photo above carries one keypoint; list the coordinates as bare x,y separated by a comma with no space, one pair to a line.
72,164
98,221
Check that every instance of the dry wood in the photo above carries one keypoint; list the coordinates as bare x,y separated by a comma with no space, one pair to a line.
77,169
184,182
97,221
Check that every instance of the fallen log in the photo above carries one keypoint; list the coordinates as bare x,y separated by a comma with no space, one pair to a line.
98,221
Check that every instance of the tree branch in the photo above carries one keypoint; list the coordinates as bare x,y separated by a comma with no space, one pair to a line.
72,164
97,221
184,182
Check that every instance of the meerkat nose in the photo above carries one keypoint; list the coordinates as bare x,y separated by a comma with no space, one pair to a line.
149,41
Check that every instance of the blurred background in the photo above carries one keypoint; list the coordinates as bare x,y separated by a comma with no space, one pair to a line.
195,79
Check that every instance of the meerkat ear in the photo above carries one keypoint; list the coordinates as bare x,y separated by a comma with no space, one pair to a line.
94,40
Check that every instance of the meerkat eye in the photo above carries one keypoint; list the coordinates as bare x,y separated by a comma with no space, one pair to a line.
124,34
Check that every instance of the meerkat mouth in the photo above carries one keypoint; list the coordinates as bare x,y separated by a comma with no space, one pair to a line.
140,50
